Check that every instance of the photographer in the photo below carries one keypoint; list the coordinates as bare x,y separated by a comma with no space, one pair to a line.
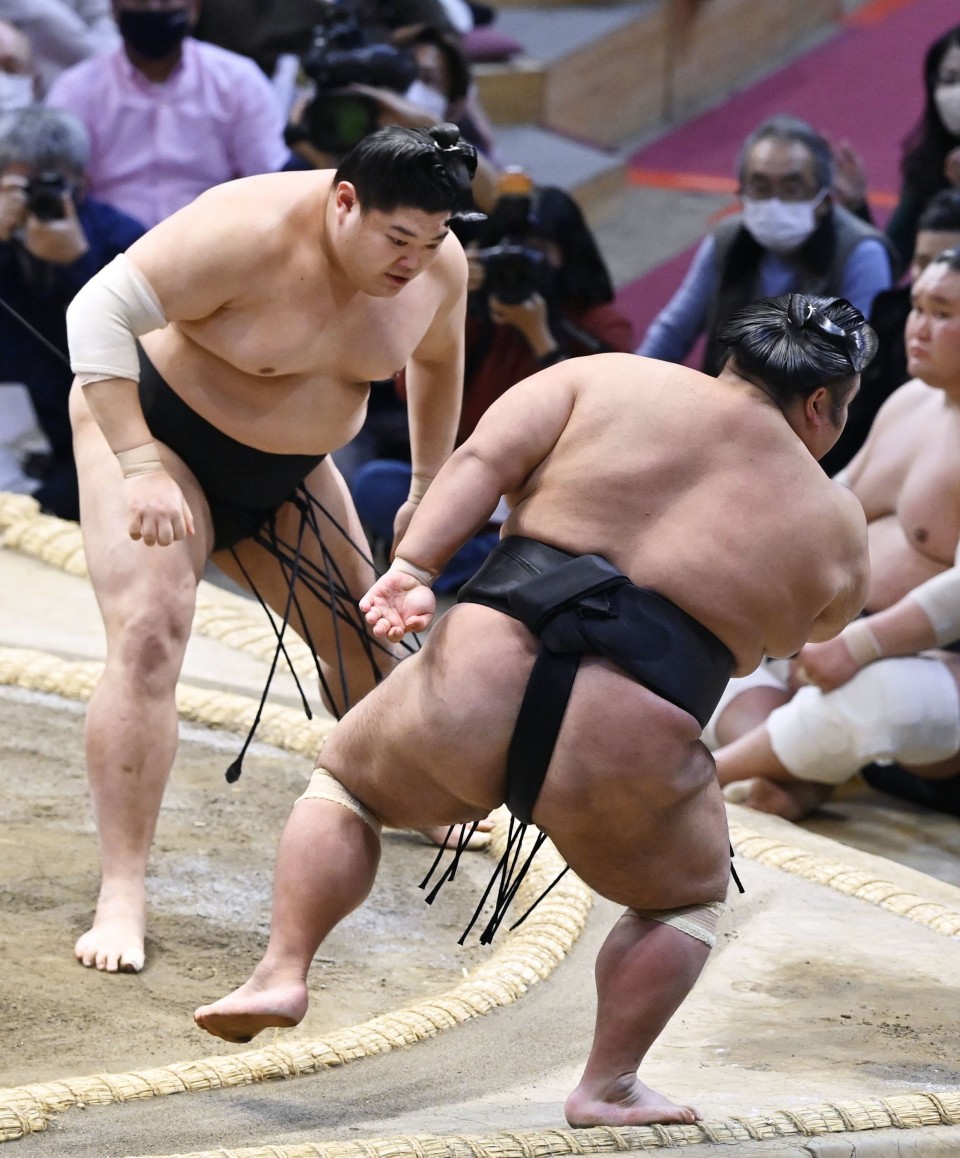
53,239
365,74
539,293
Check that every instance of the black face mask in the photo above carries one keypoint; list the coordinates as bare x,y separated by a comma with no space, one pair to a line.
153,34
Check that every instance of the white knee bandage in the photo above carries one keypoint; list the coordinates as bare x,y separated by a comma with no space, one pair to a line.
904,710
325,786
772,673
697,921
114,308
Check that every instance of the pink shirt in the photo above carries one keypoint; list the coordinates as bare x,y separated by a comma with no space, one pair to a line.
154,147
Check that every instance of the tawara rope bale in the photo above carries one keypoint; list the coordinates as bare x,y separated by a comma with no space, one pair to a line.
524,957
906,1111
852,882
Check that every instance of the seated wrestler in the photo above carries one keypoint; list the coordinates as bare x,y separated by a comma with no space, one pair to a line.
882,698
572,679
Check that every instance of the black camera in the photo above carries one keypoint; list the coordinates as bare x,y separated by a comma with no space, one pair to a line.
514,272
46,195
340,55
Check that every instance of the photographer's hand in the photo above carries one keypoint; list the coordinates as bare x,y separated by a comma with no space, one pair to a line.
13,207
531,318
61,242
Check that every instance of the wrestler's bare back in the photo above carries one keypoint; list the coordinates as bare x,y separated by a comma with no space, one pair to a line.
907,476
656,469
265,322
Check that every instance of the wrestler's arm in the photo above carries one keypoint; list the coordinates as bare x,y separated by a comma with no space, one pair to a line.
927,616
185,268
434,380
510,441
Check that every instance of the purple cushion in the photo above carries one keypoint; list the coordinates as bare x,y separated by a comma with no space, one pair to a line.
487,46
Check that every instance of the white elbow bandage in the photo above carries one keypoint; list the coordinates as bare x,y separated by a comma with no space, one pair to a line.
114,308
905,710
940,599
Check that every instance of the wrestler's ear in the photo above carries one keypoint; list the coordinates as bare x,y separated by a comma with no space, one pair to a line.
818,407
345,198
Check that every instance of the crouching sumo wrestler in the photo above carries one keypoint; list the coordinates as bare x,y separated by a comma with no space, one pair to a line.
574,676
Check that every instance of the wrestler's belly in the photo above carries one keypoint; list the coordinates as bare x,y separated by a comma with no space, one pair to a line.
896,566
284,415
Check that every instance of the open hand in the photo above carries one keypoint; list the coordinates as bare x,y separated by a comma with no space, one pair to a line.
398,603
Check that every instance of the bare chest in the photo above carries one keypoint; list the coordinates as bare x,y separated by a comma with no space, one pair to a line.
284,333
928,505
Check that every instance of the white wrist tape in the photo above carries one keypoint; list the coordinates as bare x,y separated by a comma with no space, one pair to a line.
113,308
861,642
418,487
139,460
940,599
408,568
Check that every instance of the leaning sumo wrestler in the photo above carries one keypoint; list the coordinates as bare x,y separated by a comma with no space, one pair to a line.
641,564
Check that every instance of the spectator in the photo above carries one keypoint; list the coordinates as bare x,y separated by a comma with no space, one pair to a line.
19,86
790,236
882,697
53,238
168,115
63,32
540,293
938,229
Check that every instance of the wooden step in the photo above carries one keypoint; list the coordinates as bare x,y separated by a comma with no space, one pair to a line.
607,74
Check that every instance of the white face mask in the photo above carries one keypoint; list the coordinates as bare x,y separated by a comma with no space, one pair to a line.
781,225
947,99
428,98
16,92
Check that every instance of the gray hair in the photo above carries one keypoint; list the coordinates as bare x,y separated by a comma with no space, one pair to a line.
786,128
47,140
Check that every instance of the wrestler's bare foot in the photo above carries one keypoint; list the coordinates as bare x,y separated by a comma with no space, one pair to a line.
114,943
267,999
443,836
792,800
624,1102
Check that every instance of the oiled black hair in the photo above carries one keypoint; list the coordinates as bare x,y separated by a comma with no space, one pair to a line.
792,344
426,169
942,214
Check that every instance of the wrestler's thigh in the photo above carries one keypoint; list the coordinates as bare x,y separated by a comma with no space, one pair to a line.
631,798
943,769
342,556
128,576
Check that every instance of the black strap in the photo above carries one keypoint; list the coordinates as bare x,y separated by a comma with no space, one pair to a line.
538,725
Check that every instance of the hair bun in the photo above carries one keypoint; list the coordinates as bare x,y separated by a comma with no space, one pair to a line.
445,135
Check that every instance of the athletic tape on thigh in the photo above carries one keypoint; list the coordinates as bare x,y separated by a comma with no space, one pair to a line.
697,921
905,710
325,786
770,674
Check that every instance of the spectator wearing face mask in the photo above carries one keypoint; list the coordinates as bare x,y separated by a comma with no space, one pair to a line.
931,152
18,80
169,116
789,237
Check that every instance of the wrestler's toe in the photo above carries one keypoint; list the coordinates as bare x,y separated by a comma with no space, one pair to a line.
132,961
